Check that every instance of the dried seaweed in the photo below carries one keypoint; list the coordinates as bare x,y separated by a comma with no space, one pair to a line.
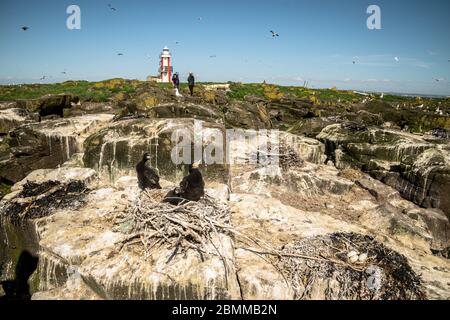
37,200
289,158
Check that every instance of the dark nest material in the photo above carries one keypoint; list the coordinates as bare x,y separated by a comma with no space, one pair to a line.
289,158
191,225
38,200
382,274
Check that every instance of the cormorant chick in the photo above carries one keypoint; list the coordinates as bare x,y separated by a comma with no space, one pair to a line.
192,187
148,177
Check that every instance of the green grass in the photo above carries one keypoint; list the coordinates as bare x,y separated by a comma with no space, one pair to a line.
5,188
239,91
104,90
83,89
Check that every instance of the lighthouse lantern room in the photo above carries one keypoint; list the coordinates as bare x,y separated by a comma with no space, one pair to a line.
165,67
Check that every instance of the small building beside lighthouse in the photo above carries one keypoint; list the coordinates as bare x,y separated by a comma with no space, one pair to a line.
165,66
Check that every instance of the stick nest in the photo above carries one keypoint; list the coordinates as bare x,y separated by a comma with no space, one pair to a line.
383,275
190,225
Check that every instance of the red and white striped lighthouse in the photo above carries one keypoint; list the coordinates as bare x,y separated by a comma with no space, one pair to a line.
165,67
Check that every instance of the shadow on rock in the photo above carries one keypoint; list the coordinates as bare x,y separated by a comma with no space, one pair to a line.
19,289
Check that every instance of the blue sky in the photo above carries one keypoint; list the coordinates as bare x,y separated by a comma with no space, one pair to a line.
318,42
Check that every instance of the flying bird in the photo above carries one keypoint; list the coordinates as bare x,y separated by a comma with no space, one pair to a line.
112,8
25,28
63,72
43,77
199,18
120,54
213,56
274,34
396,59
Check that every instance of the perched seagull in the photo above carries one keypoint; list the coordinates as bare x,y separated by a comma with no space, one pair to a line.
25,28
274,34
112,8
397,59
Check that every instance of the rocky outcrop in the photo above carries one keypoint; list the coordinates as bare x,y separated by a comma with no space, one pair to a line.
311,225
82,253
12,118
417,167
115,150
45,145
87,107
52,104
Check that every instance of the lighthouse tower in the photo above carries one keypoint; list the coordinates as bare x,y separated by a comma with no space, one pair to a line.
165,66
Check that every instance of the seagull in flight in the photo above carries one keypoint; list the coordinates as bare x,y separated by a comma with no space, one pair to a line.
438,80
274,34
120,54
112,8
24,28
213,56
43,77
396,59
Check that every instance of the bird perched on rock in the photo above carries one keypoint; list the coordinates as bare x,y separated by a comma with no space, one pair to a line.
191,188
148,177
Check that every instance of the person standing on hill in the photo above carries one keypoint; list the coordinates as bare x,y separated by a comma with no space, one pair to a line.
191,83
176,81
176,84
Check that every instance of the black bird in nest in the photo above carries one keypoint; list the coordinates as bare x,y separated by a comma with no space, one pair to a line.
192,187
148,177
